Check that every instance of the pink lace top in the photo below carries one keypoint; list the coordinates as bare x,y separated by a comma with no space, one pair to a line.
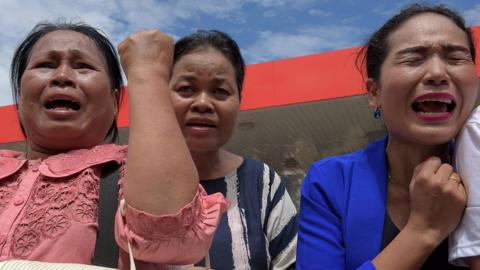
48,212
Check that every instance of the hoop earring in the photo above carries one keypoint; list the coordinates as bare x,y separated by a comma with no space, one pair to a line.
377,113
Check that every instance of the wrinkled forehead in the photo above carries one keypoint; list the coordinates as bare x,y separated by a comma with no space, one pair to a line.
208,60
67,41
427,30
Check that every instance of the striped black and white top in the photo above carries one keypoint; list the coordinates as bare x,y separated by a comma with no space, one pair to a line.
259,231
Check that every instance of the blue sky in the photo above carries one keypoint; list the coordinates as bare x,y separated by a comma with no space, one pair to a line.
265,29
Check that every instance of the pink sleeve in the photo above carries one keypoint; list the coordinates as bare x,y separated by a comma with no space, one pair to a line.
182,238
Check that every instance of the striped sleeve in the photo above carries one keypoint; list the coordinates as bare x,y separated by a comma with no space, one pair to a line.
280,222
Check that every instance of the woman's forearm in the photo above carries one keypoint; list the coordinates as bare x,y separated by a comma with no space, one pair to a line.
160,173
408,251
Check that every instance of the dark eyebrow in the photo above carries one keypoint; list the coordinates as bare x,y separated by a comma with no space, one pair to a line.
424,49
187,77
215,81
53,54
193,78
76,54
454,48
218,80
223,80
416,49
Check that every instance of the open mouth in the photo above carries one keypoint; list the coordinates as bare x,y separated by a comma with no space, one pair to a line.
62,105
434,106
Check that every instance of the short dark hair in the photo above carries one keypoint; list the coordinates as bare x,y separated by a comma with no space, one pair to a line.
105,47
375,51
203,39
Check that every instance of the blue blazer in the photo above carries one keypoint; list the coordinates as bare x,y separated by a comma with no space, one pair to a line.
342,210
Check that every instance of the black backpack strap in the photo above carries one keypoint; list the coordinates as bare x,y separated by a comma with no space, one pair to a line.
106,249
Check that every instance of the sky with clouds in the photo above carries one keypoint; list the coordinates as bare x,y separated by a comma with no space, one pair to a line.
265,29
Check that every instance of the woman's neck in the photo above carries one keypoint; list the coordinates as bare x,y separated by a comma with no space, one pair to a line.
36,152
215,164
404,156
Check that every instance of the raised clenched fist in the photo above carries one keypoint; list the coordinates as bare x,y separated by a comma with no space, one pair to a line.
147,51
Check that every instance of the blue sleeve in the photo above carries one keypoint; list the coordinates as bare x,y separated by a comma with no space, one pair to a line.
320,236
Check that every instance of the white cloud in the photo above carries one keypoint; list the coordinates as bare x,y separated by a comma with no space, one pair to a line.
318,12
270,46
472,16
390,9
216,8
270,14
282,3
